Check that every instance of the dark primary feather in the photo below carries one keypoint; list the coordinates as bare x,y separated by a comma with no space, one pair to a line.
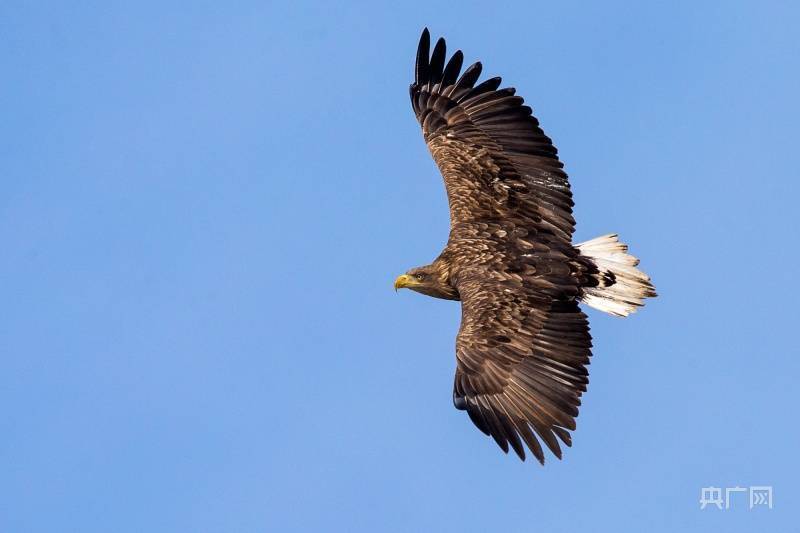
421,70
437,62
468,79
452,69
524,344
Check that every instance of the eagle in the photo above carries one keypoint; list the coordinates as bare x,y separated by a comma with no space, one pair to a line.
523,344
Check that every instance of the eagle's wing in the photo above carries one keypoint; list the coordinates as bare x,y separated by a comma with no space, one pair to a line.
522,359
494,157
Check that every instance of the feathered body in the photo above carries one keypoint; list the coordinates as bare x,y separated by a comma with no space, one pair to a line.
524,343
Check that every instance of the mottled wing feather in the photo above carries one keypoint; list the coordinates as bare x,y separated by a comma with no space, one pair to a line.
522,360
495,159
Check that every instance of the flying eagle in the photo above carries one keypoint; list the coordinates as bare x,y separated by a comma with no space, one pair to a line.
524,344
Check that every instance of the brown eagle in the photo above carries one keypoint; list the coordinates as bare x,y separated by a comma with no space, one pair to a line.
524,344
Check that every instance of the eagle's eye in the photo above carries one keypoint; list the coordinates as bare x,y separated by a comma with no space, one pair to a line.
420,276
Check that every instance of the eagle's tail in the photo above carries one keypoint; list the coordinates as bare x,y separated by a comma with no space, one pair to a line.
621,287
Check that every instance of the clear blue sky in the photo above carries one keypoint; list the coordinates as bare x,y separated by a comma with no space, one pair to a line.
202,211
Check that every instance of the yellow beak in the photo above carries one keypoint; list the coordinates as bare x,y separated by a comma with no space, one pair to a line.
402,282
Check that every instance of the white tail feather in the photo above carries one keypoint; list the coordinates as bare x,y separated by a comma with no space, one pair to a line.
622,287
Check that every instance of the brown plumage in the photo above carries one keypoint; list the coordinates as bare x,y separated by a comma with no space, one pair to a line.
524,343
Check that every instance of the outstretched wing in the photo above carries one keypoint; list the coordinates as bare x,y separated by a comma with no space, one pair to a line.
522,359
495,159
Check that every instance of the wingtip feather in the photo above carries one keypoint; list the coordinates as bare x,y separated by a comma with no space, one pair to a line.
421,69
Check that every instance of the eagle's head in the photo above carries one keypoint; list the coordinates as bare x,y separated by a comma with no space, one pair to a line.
430,280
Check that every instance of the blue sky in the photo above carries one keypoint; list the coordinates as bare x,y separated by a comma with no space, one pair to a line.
202,211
